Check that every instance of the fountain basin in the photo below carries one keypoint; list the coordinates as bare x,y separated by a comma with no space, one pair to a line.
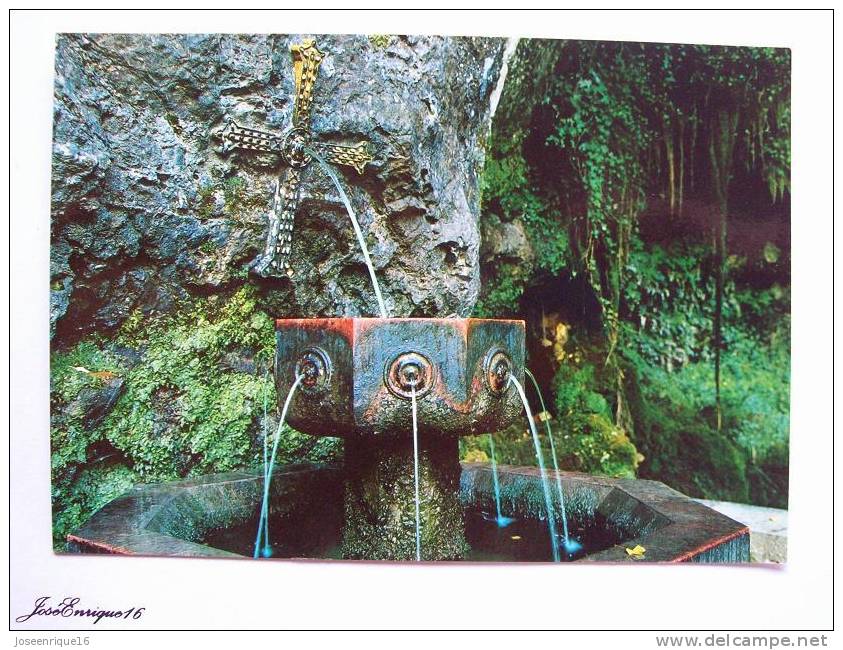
306,516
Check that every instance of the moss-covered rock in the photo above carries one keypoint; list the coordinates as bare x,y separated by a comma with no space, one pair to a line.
583,442
194,385
591,443
585,437
78,495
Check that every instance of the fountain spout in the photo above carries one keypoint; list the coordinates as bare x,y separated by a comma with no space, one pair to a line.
364,379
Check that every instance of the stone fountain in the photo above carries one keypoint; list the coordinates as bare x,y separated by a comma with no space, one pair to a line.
359,375
361,379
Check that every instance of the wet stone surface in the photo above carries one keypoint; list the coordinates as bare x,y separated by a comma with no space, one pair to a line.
92,405
380,505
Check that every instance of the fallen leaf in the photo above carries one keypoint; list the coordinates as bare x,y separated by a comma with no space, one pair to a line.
515,537
636,551
105,375
544,416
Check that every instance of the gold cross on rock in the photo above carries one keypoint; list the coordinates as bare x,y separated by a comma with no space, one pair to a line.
292,146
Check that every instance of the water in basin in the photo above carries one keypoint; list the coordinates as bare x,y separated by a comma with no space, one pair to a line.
523,540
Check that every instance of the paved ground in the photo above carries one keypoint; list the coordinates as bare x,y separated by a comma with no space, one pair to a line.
768,528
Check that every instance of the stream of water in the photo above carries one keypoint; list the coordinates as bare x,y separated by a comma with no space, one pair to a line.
548,502
570,545
360,239
416,473
502,521
263,525
267,547
264,516
495,477
364,249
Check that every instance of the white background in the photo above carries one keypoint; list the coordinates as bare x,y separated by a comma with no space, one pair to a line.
216,594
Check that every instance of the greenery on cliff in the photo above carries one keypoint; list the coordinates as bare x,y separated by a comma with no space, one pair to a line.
652,182
170,396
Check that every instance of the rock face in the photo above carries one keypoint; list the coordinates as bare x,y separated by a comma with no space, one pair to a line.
504,242
146,209
92,405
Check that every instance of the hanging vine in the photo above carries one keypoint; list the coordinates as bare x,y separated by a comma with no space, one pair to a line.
631,122
619,160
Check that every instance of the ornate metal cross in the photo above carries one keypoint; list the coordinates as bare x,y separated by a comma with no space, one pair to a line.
292,146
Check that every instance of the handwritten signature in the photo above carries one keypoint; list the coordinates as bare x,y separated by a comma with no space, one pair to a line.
69,606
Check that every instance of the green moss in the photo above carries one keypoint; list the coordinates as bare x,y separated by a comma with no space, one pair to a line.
207,247
380,41
183,411
502,293
71,371
295,446
233,192
241,197
237,196
241,273
74,501
585,436
576,391
72,445
583,442
591,443
173,121
206,201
